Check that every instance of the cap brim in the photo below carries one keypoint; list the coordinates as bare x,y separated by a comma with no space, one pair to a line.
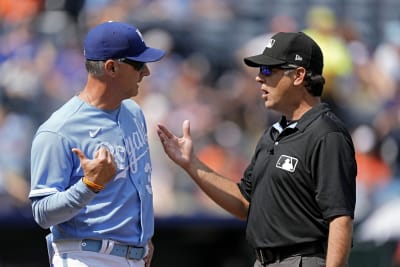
262,60
148,55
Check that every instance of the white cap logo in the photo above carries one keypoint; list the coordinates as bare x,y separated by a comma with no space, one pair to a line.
140,34
270,43
298,58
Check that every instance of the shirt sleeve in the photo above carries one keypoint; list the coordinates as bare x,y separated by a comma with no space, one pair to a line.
51,164
55,195
61,206
334,174
245,184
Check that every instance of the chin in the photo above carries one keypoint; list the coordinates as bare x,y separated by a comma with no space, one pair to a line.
270,106
135,92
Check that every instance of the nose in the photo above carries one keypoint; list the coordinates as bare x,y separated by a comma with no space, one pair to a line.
259,79
146,70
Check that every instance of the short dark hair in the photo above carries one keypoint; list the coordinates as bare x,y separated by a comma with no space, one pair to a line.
314,83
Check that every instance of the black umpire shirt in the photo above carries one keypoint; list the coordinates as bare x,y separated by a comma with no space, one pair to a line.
301,175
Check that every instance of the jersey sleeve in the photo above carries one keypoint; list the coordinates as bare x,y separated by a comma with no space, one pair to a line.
334,174
61,206
51,164
246,183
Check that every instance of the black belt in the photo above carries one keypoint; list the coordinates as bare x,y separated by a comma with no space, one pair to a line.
270,255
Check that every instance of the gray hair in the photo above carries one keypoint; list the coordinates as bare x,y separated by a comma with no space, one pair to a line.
95,67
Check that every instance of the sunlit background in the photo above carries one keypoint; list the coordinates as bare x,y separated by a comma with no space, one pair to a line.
202,78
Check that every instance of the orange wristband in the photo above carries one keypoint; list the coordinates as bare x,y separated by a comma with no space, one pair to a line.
92,185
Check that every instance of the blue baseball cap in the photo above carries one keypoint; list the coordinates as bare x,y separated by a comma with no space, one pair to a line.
114,40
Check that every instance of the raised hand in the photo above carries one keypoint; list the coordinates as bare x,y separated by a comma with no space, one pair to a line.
101,169
180,150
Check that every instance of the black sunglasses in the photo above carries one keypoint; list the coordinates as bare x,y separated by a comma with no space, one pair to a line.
267,70
137,65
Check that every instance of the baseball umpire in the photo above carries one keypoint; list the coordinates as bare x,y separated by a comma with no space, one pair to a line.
298,192
90,162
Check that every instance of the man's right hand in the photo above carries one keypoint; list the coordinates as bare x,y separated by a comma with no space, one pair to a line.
99,170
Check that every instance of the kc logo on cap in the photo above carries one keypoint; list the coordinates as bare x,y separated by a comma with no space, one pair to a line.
140,34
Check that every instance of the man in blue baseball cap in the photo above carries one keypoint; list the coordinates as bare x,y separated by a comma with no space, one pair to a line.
90,162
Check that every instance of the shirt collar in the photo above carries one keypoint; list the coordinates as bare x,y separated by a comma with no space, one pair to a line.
304,121
283,124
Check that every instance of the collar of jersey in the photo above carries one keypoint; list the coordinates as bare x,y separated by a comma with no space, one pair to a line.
306,119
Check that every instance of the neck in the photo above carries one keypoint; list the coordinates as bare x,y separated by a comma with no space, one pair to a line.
302,108
97,94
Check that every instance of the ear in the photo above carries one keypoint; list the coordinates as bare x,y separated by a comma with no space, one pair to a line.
111,67
300,76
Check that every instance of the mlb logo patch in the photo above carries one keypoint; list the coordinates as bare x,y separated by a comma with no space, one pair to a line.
287,163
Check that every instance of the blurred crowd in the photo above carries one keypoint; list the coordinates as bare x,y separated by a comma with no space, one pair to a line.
203,79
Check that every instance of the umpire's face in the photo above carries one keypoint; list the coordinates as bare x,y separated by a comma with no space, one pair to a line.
282,88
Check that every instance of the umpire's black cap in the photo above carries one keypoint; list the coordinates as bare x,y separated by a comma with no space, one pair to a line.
295,48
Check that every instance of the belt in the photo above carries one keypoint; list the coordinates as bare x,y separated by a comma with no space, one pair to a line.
270,255
129,252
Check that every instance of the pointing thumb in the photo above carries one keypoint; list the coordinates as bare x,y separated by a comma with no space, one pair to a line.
186,128
79,153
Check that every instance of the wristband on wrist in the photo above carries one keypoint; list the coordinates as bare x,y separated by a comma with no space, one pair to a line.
92,185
